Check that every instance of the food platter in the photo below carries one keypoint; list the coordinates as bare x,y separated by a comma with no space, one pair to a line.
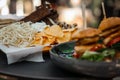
96,69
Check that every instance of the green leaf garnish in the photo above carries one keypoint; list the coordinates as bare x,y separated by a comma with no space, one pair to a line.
98,56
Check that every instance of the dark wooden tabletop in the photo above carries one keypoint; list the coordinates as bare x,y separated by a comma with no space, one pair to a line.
37,70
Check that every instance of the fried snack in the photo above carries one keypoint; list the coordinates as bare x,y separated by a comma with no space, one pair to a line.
53,35
48,40
54,30
37,41
66,37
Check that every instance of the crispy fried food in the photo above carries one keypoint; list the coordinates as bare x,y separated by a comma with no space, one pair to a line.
54,30
37,41
52,35
66,37
48,40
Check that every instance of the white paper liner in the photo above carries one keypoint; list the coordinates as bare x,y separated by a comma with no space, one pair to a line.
15,54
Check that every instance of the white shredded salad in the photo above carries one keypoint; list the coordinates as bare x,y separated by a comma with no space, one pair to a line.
19,34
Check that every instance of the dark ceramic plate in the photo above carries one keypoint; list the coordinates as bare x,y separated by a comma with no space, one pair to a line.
96,69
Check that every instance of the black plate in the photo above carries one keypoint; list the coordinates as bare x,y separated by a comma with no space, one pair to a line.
96,69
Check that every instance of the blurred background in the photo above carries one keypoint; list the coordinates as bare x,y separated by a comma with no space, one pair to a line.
69,10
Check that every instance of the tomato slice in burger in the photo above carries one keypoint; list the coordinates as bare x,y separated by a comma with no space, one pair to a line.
96,47
115,40
76,55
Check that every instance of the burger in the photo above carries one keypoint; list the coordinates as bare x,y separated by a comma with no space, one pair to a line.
102,44
110,34
110,28
87,36
86,40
